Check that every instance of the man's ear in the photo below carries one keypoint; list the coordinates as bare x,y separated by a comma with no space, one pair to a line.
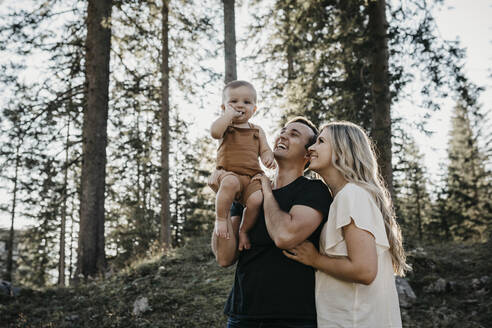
254,109
307,162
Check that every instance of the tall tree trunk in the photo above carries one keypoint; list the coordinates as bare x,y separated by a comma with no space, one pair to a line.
165,212
72,241
91,255
290,47
419,210
10,246
381,116
229,41
63,224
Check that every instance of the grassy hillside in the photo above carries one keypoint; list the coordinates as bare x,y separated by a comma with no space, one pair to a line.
187,289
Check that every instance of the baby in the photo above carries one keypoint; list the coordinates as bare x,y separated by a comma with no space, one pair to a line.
240,144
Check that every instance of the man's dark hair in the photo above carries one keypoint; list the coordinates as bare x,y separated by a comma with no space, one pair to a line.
236,84
308,123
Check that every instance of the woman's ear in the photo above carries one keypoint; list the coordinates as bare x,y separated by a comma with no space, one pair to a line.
222,106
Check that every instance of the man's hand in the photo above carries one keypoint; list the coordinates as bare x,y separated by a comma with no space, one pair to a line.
213,180
305,253
268,160
266,184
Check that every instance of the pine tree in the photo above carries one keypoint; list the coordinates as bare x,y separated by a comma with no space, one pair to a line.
229,41
91,252
468,182
165,211
350,64
412,201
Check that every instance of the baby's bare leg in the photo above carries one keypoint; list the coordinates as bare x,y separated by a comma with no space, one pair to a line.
253,206
229,187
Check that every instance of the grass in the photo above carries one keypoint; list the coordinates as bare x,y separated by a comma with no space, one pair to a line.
465,301
188,289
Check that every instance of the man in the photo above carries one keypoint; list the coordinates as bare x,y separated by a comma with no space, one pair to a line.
271,290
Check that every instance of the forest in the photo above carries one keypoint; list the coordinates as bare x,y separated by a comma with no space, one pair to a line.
99,151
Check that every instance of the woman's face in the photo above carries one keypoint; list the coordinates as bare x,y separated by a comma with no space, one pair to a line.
320,153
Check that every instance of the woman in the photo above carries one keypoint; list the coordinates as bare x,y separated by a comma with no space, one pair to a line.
361,244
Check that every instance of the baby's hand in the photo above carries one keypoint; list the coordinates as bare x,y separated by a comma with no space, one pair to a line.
268,160
231,111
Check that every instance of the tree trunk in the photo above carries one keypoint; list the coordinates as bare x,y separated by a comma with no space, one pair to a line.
63,224
229,41
91,255
10,246
290,47
165,212
381,116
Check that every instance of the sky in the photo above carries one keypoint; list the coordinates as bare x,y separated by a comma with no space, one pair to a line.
466,20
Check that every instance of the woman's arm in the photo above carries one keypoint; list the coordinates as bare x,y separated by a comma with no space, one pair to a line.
359,266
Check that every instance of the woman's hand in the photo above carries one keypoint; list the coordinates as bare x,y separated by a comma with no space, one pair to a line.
305,253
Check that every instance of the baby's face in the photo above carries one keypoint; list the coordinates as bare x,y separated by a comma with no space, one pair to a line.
242,99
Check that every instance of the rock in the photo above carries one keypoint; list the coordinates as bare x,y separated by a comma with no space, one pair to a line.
73,317
406,294
6,288
476,283
439,286
141,305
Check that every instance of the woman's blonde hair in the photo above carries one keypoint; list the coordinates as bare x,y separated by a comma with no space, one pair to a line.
354,156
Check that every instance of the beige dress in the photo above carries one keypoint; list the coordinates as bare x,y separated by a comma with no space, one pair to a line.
344,304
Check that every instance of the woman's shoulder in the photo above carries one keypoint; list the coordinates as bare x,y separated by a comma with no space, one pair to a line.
353,190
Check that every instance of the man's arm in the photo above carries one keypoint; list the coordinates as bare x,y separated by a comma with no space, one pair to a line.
288,229
225,250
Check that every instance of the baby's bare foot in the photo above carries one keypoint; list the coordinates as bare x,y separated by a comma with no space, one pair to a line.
244,242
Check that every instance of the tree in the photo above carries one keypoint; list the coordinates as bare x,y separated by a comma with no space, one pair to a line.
165,211
381,99
342,60
468,182
412,201
229,41
91,252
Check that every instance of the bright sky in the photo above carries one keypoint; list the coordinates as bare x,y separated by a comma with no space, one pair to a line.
469,21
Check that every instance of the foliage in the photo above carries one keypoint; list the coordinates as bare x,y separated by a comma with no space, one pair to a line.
319,54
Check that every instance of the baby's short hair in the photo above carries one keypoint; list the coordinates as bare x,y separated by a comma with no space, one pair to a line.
236,84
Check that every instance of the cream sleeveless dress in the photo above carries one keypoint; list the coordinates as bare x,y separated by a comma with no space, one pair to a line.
344,304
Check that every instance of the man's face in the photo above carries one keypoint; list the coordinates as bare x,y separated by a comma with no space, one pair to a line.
242,99
291,142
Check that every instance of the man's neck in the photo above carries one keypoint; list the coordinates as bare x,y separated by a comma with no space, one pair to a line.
287,174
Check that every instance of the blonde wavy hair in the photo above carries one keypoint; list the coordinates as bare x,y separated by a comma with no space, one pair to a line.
354,156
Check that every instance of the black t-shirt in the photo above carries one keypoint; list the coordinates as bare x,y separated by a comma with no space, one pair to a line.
267,284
